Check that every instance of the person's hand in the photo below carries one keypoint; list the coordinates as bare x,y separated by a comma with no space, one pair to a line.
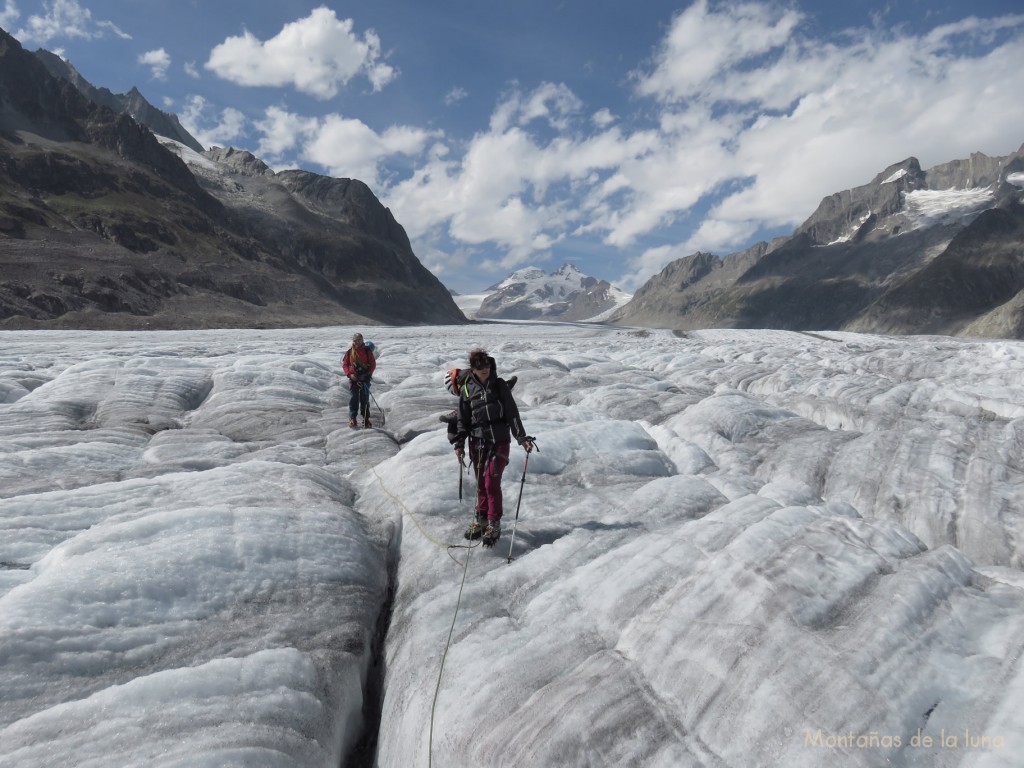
460,454
527,445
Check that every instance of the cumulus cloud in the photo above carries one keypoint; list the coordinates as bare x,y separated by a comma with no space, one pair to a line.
510,188
317,55
209,126
757,121
346,147
158,61
602,118
62,19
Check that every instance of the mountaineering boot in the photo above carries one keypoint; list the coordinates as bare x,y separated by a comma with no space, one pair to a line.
476,528
491,533
366,422
352,423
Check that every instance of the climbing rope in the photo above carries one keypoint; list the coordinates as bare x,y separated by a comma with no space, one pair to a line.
444,656
458,601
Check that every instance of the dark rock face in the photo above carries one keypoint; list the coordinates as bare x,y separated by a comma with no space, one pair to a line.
868,261
102,226
132,103
980,271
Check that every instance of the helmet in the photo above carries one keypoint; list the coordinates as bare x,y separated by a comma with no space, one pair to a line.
451,381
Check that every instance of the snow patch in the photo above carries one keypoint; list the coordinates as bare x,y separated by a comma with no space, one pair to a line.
190,156
846,238
928,207
896,176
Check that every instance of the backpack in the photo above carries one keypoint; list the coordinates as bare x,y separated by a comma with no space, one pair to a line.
454,379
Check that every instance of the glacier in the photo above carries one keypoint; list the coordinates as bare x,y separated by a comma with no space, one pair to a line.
733,548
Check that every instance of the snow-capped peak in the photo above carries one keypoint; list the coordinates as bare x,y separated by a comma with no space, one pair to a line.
567,293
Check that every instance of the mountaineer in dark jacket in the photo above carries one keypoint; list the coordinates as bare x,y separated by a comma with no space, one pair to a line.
453,381
489,418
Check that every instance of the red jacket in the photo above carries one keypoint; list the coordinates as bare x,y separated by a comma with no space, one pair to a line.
359,363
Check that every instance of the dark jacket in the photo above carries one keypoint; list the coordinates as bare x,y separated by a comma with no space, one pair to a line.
487,412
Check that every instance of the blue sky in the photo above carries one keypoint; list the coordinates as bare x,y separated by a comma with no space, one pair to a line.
616,136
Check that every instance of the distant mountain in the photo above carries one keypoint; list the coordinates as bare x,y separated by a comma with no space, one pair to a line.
565,294
103,225
938,251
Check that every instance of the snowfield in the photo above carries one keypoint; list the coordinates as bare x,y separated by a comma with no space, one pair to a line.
734,548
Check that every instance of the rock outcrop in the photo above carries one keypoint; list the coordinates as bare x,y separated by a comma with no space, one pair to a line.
103,224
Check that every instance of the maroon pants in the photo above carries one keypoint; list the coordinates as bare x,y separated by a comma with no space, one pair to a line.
489,462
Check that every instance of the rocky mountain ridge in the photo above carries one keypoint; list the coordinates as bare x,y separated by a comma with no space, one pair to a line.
105,225
937,251
565,294
133,103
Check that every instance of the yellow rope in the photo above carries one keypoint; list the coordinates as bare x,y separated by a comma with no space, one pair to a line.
444,655
458,602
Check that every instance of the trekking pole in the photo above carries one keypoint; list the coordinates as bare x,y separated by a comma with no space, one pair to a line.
522,482
379,409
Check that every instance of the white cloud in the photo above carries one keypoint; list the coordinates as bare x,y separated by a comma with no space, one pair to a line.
455,95
502,190
703,43
158,61
191,70
602,118
282,132
554,103
345,147
349,148
63,18
9,15
317,55
220,129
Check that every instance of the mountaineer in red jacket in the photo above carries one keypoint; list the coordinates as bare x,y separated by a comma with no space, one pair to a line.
359,365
